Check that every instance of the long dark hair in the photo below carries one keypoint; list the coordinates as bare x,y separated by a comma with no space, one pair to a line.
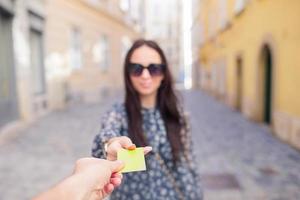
166,102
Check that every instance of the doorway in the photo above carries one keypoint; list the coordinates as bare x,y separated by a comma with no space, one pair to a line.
8,97
239,83
267,64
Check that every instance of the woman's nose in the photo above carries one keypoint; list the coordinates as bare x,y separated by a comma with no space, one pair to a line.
145,73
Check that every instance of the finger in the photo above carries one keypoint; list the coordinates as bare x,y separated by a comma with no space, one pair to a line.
147,149
109,188
116,166
117,175
116,145
113,150
99,195
132,147
126,143
115,181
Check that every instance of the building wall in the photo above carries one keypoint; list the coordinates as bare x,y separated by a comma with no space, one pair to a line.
90,82
242,40
23,92
29,17
37,72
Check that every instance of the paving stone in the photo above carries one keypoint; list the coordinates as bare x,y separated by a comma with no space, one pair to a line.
224,181
263,167
229,143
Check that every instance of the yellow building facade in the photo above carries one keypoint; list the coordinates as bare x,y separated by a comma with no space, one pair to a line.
248,58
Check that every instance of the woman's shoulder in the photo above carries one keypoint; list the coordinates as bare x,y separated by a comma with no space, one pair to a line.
117,108
115,113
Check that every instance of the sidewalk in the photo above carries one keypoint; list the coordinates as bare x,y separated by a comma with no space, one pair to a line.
44,153
238,159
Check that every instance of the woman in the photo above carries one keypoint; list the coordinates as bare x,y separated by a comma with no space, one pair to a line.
150,116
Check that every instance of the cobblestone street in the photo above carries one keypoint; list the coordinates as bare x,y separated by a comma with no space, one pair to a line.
238,159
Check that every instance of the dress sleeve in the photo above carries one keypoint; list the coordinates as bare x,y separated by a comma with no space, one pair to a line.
111,124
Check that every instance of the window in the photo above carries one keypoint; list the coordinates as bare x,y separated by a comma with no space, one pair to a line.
75,49
169,52
201,38
222,77
6,56
135,9
102,53
239,6
37,62
7,6
125,42
212,25
37,53
214,77
125,5
223,14
170,30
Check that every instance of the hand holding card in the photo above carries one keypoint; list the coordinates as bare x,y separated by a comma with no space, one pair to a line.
117,143
134,159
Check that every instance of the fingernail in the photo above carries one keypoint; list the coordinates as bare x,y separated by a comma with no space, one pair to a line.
148,148
132,147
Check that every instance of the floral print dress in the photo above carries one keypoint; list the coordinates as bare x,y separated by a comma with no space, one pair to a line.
154,183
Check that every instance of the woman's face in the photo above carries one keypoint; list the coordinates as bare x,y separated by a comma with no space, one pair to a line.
145,84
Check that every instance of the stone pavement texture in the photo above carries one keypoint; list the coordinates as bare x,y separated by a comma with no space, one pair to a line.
237,158
240,159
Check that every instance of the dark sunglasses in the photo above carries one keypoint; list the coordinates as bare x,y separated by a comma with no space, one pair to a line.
153,69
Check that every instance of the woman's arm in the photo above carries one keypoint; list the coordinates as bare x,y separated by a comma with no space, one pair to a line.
111,125
109,141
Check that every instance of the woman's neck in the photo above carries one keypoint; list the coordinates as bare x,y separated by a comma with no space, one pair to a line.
148,101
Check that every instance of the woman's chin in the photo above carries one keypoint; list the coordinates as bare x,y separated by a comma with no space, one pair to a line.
146,92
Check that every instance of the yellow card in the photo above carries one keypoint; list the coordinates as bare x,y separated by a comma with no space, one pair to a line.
134,159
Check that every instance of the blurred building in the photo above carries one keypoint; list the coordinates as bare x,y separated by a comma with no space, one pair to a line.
197,41
163,23
22,77
8,101
248,57
86,41
52,51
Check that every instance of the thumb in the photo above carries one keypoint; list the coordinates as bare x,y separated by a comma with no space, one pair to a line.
116,166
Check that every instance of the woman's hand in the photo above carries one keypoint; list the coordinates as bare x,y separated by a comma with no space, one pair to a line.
123,142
